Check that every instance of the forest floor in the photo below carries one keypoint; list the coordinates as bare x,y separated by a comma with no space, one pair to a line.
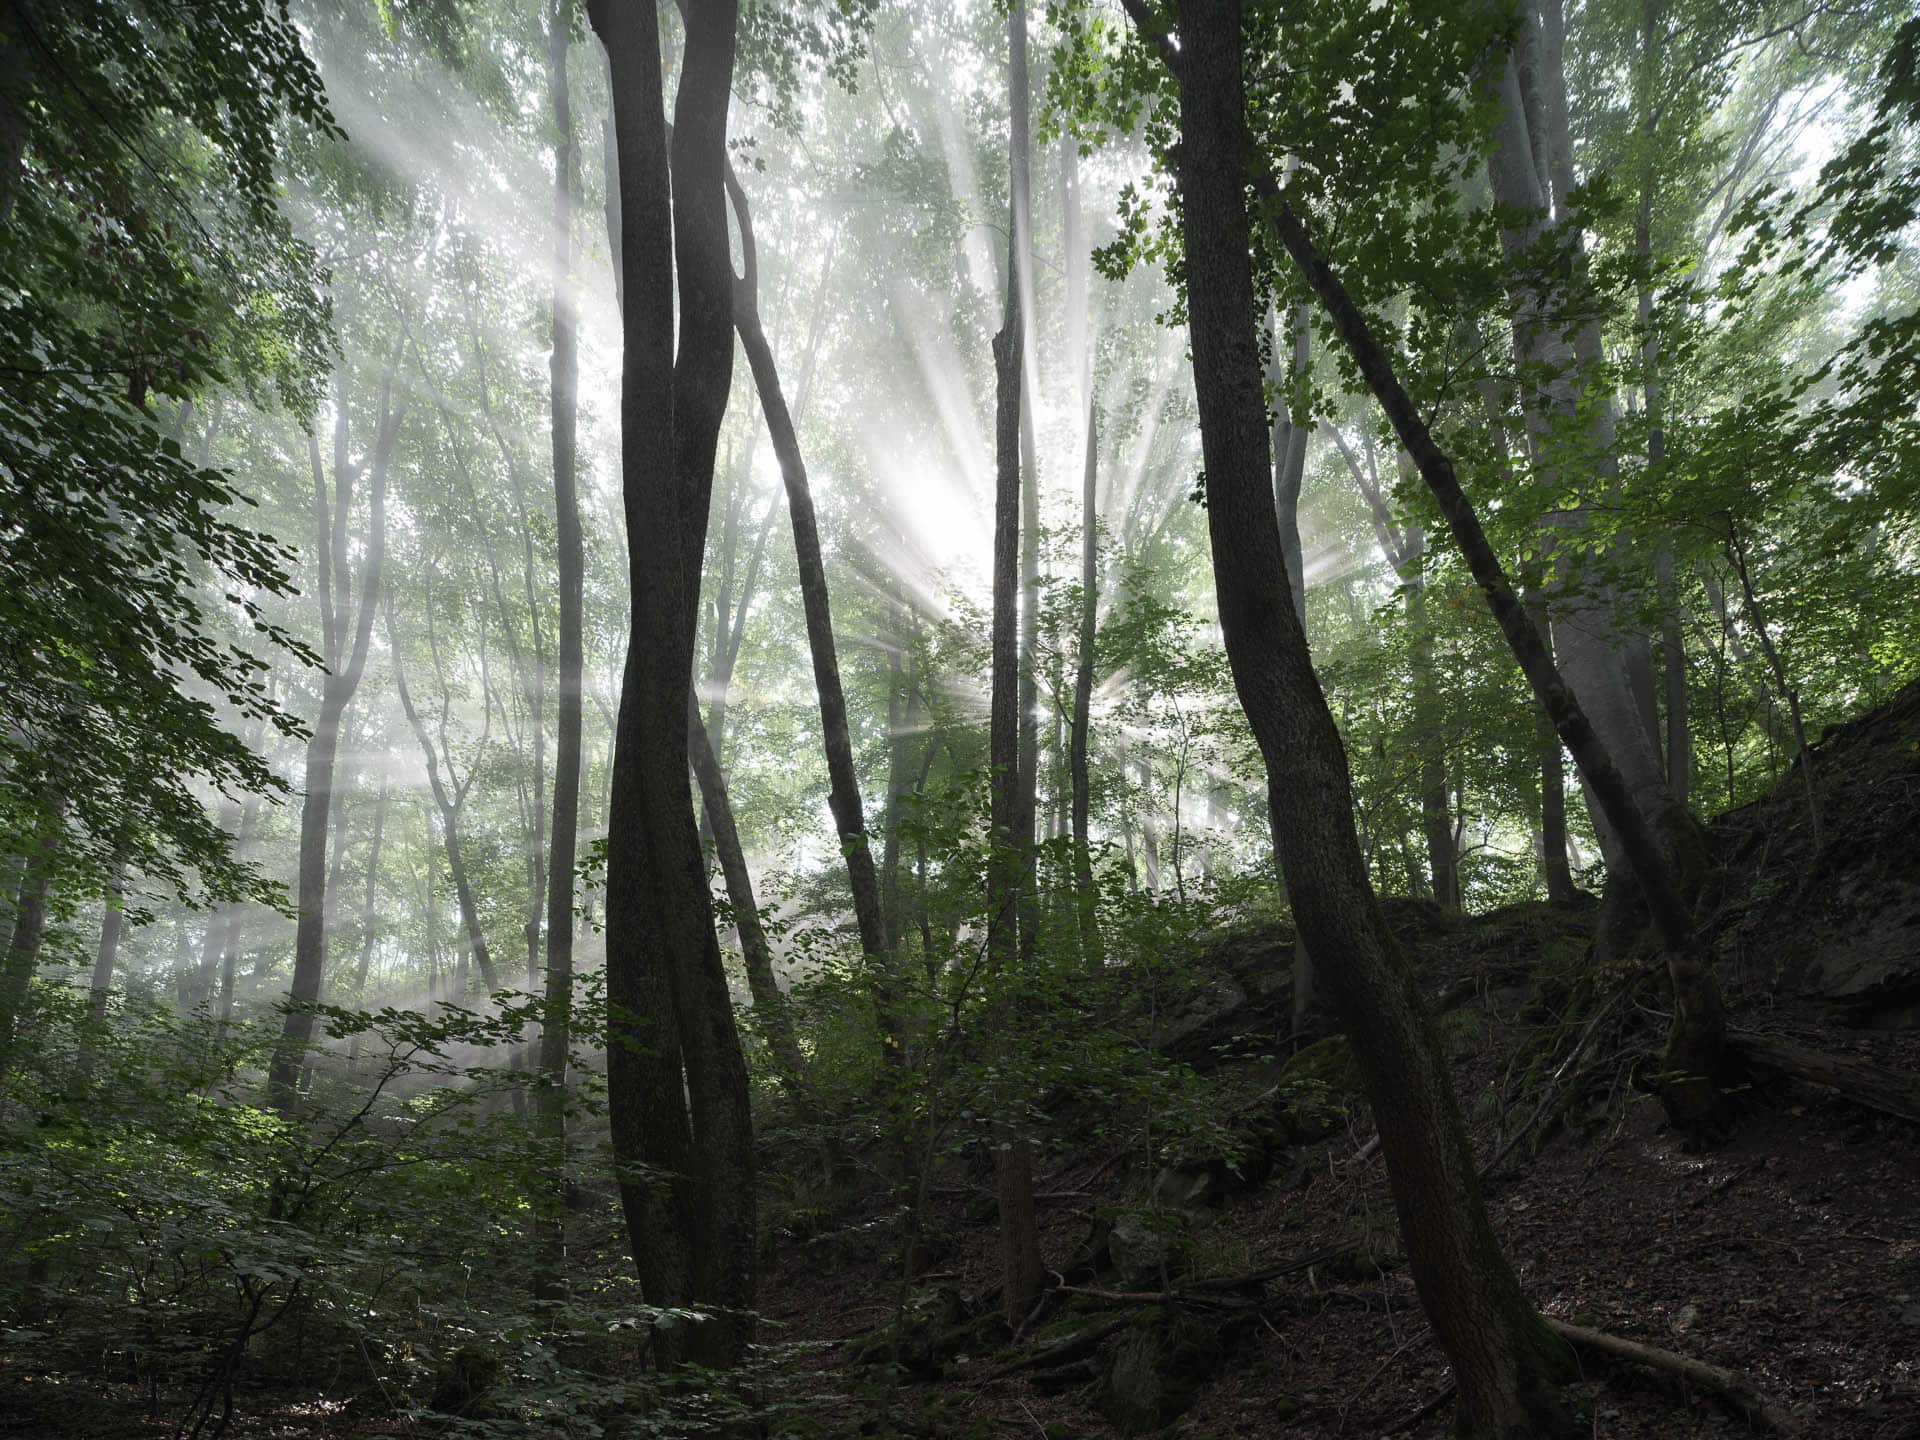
1791,1254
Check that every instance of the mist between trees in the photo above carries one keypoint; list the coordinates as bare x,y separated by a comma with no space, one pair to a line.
628,626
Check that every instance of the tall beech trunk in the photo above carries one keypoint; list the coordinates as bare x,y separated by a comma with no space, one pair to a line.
113,918
1697,1037
1290,452
1080,725
1405,548
346,660
843,780
1079,732
1505,1361
1599,654
1022,1270
1673,657
687,1169
370,897
564,390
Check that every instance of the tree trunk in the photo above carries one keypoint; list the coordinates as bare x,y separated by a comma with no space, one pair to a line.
1554,869
345,665
1091,948
1290,453
113,917
449,797
564,377
1506,1363
22,957
1022,1270
672,1033
1695,1041
769,1004
843,780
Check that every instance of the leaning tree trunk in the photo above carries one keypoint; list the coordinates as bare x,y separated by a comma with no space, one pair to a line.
756,954
1022,1270
564,376
1696,1040
843,780
687,1169
1506,1363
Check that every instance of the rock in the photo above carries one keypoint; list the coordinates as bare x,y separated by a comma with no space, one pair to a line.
1156,1370
1910,1317
1248,991
1185,1189
1146,1249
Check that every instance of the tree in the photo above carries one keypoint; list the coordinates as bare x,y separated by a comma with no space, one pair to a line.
346,628
686,1173
1505,1361
564,406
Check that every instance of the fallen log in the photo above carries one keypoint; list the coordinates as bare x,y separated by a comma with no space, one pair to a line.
1063,1351
1876,1088
1734,1388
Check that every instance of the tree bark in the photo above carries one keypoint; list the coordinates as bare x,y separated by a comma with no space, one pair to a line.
22,955
346,662
1507,1364
1022,1270
113,917
672,1031
1695,1041
769,1003
843,780
564,404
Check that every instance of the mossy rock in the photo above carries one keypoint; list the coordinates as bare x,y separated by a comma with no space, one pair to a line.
1328,1063
1157,1369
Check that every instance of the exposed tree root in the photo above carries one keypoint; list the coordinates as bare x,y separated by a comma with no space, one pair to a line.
1887,1091
1729,1386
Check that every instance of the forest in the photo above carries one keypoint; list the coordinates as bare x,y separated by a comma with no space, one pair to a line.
959,718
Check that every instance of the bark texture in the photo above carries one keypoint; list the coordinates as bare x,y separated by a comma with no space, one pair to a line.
690,1210
564,384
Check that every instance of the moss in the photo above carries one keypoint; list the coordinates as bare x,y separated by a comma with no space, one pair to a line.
1329,1063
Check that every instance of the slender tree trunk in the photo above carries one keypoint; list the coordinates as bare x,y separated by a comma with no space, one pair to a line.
1505,1361
564,377
1022,1270
1554,868
370,898
346,662
1079,735
113,917
1696,1039
22,954
769,1003
449,798
672,1033
843,780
